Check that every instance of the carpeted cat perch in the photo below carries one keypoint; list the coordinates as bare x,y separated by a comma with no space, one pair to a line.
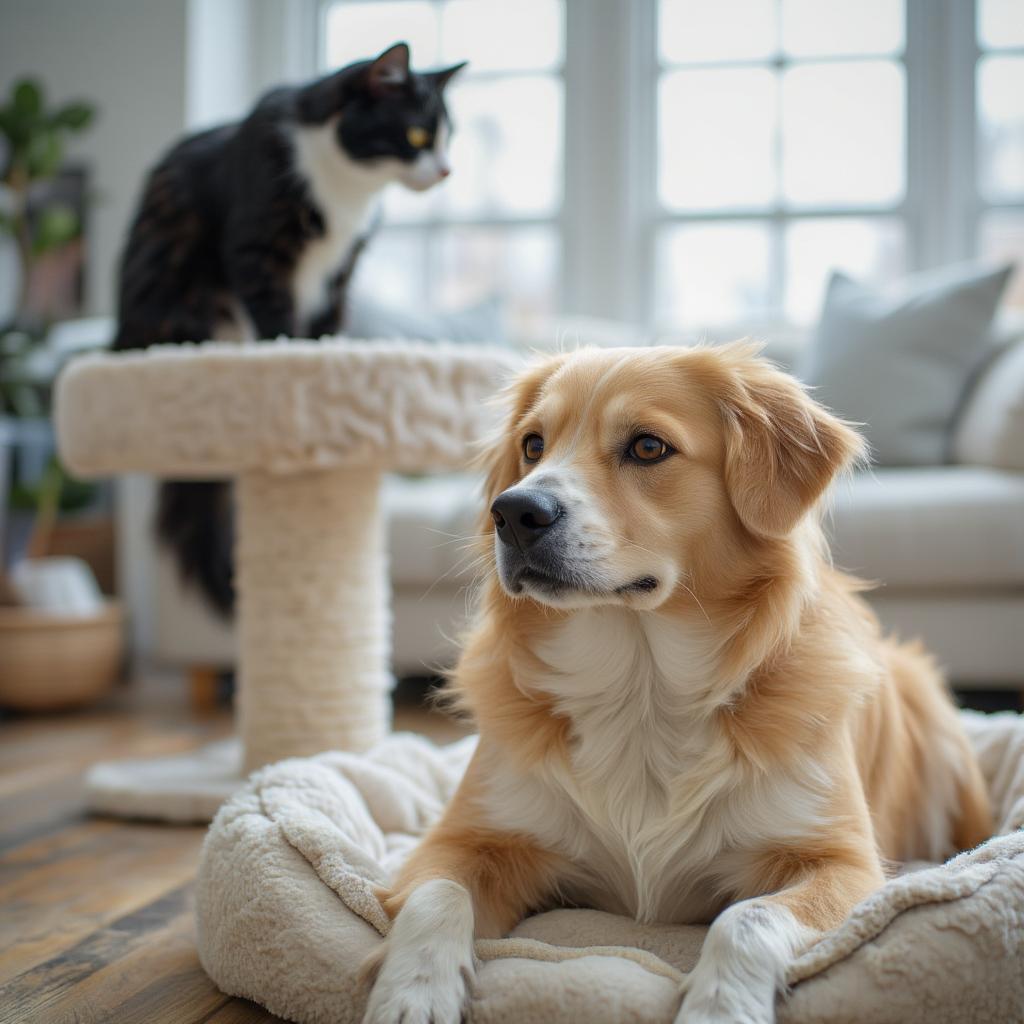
306,431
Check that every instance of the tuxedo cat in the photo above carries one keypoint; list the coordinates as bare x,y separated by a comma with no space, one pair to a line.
252,230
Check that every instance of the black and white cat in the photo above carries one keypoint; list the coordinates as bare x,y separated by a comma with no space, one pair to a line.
252,230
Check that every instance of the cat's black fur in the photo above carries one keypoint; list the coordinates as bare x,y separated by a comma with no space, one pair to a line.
225,217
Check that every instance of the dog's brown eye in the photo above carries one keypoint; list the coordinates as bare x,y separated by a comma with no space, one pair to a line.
533,447
648,448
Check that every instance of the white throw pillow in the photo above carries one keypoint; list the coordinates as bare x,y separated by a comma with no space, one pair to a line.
898,362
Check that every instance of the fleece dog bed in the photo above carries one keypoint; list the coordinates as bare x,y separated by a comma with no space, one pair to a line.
287,911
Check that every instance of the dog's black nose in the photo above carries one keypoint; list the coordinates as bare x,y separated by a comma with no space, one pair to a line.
522,515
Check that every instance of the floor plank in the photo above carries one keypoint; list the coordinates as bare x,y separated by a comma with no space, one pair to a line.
96,915
98,872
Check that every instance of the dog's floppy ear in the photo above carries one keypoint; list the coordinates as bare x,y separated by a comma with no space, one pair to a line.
782,448
500,457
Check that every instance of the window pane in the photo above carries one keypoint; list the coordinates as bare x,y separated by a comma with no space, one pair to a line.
1000,23
518,264
870,249
712,274
698,31
506,150
1001,238
393,268
403,206
822,28
1001,127
498,35
717,138
843,134
356,31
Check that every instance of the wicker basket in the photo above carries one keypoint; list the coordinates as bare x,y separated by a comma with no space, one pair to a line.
50,662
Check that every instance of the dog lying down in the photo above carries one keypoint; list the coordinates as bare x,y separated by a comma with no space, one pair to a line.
686,714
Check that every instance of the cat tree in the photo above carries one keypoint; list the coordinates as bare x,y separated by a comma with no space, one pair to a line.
306,430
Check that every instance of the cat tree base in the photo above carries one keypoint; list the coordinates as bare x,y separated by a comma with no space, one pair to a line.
306,431
184,788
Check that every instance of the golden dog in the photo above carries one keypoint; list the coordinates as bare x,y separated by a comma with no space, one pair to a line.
686,714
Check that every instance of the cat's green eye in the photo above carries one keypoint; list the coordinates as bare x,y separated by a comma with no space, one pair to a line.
418,137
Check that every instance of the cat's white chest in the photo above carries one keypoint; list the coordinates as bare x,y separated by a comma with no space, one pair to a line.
346,197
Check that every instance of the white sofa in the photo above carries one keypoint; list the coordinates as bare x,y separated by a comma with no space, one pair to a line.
945,544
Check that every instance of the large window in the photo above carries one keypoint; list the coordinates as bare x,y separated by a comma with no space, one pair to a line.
1000,134
781,141
689,164
491,230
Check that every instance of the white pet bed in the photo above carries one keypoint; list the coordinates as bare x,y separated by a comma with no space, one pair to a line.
287,911
306,430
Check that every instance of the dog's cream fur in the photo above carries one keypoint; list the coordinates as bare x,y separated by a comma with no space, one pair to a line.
707,725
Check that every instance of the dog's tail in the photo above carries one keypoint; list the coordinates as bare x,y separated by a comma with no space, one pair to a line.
195,519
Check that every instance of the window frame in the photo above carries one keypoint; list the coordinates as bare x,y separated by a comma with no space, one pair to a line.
611,213
978,205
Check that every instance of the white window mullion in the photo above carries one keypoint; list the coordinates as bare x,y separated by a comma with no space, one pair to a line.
609,139
926,169
941,195
641,141
960,122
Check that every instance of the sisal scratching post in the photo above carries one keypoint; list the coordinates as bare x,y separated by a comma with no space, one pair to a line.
306,431
313,610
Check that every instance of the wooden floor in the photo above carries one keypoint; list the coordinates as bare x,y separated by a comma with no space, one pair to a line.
96,916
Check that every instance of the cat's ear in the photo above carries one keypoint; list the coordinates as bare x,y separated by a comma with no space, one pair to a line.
445,75
390,70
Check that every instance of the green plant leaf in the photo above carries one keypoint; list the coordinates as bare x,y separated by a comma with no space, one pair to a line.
45,152
73,116
16,126
23,400
28,97
57,225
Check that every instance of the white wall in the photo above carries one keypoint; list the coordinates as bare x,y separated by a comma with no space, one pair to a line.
127,56
237,49
154,68
219,71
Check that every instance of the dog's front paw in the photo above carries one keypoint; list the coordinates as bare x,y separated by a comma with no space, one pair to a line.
427,970
423,989
742,966
717,1000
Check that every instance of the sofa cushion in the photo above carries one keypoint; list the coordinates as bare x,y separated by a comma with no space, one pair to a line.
955,526
899,363
431,524
371,320
990,430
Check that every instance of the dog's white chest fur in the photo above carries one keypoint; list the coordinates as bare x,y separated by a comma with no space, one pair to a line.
345,195
653,795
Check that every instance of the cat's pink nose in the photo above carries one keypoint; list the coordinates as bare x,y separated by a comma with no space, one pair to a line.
444,171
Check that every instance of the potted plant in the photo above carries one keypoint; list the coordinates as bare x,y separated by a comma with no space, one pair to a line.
34,215
52,654
41,222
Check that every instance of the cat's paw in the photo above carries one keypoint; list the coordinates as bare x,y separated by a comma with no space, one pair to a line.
427,970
